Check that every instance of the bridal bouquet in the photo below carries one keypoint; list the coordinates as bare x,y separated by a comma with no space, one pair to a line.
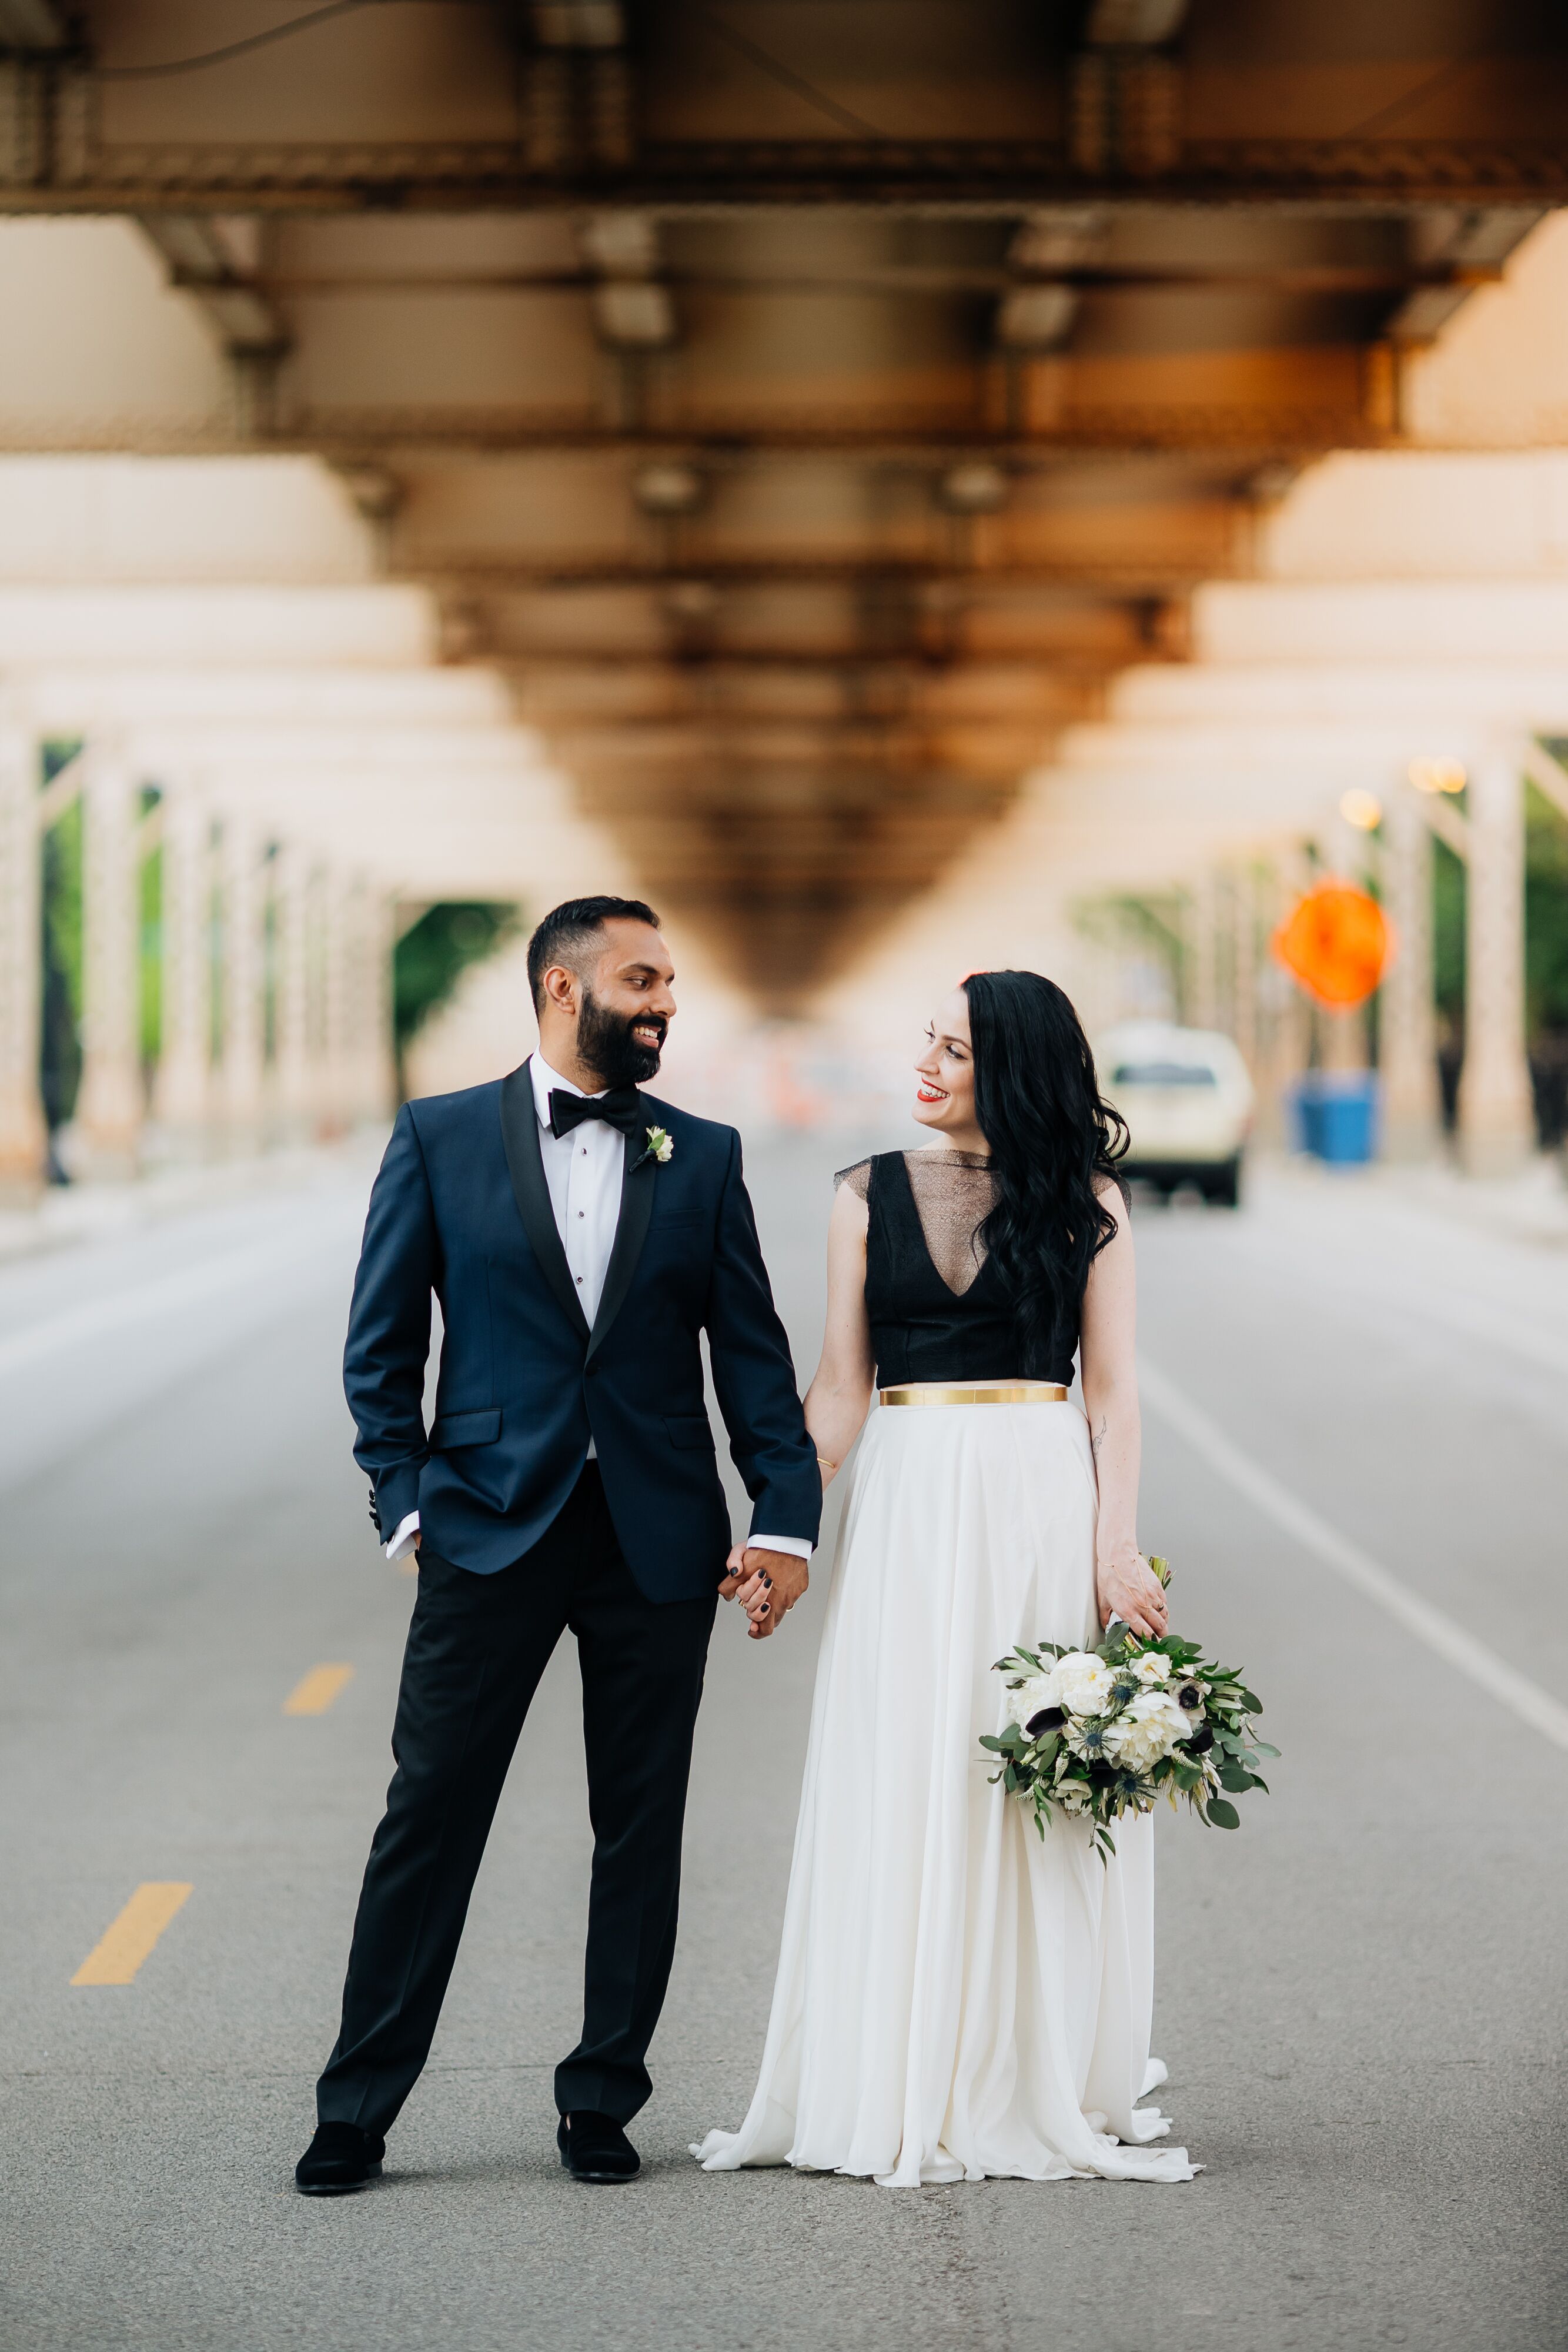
1095,1734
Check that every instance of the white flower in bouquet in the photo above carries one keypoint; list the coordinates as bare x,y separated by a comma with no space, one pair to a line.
1148,1728
1026,1702
1082,1683
1128,1725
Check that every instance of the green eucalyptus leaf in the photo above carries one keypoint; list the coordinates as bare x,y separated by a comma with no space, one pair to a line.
1224,1816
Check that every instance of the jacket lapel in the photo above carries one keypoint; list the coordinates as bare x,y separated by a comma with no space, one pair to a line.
631,1233
520,1138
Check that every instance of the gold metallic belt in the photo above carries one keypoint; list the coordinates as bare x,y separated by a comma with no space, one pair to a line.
976,1392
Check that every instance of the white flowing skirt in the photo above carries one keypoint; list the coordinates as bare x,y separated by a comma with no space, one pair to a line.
956,1997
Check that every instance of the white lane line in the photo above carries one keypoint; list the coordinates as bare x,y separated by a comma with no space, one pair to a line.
1440,1631
170,1294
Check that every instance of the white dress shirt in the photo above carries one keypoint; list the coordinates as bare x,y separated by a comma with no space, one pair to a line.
584,1172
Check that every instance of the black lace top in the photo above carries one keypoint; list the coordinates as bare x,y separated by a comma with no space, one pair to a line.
939,1307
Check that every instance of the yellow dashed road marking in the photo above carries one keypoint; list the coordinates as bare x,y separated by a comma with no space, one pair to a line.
315,1692
116,1957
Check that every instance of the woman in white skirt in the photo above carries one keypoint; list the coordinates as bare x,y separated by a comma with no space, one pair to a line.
956,1997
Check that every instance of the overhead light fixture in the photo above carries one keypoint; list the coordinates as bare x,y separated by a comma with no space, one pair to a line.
1437,775
634,314
1364,810
668,488
1036,318
977,486
621,245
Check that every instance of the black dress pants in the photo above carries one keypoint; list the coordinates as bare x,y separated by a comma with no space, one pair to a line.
476,1648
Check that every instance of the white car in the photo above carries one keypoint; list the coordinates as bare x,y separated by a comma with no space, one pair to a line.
1186,1097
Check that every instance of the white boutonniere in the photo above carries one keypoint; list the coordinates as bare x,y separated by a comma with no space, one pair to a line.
661,1146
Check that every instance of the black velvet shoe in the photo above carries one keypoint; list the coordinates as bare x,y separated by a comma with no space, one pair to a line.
341,2156
594,2148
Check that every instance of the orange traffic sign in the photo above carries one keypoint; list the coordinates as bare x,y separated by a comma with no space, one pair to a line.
1337,941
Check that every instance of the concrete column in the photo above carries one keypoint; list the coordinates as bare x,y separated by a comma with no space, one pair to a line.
110,1105
1200,1009
24,1137
378,1076
1342,1031
334,1107
1287,1016
293,1077
181,1094
1244,965
1407,1031
242,1069
1496,1118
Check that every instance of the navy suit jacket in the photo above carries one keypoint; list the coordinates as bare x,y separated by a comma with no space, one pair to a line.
461,1209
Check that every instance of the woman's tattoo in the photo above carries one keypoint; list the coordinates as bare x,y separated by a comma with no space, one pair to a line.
1097,1437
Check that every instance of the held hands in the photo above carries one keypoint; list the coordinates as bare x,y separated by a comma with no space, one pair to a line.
766,1584
1126,1586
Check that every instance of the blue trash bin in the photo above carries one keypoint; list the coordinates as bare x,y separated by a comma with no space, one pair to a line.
1336,1115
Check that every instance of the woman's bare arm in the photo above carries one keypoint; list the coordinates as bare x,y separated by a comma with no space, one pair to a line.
840,1396
1125,1585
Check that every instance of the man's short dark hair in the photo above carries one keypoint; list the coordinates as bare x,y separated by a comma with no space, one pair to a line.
570,930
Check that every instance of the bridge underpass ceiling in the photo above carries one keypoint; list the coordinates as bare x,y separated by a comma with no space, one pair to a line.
808,406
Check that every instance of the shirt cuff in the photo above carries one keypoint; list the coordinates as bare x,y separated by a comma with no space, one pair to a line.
403,1542
801,1546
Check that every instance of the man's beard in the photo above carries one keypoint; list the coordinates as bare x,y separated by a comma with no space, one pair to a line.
604,1040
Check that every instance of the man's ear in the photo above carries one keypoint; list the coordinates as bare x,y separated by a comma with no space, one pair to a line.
560,986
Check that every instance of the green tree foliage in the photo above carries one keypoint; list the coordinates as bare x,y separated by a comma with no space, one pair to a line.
1545,923
1545,914
1449,936
60,1049
151,943
435,953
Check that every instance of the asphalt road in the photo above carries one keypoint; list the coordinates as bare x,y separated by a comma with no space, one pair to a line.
1360,1994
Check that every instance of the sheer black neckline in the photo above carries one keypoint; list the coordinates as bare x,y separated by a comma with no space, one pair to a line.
939,1307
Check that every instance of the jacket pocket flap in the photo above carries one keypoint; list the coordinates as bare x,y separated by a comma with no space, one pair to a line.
690,1431
453,1429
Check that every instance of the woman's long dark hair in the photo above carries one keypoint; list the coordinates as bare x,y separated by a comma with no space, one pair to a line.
1038,1104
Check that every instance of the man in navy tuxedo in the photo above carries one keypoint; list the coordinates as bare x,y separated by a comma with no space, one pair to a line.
580,1236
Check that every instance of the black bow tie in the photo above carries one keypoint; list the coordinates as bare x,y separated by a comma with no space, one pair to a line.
620,1107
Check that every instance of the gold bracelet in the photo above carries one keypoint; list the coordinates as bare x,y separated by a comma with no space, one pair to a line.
823,1464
